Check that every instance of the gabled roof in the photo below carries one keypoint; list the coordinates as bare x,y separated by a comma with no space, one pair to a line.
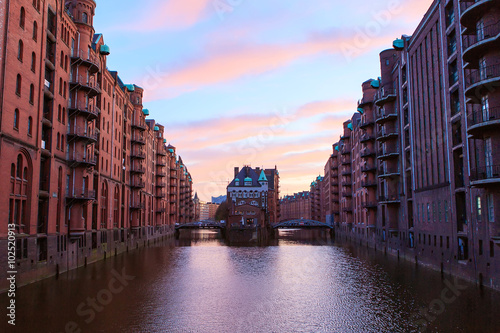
246,173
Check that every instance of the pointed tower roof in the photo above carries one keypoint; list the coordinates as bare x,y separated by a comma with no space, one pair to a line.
262,177
195,195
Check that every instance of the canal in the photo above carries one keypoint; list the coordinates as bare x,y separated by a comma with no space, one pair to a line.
303,282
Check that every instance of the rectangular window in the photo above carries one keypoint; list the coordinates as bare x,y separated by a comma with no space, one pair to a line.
478,208
446,211
428,214
491,208
488,154
440,241
447,242
492,249
480,247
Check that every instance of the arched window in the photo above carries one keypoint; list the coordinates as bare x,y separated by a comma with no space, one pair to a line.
35,31
18,84
32,94
22,18
20,51
30,126
85,18
16,119
61,63
58,143
33,62
19,166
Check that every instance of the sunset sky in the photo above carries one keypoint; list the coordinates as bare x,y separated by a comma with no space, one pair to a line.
253,82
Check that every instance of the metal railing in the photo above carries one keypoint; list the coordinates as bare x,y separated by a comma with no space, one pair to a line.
85,194
485,172
483,74
87,56
482,34
483,116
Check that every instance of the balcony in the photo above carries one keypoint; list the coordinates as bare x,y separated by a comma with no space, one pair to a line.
366,152
479,82
390,199
347,209
161,163
82,134
346,172
386,116
91,112
388,153
137,205
369,183
137,139
480,121
80,159
385,96
387,134
346,149
138,169
140,124
369,167
161,184
160,195
346,160
347,193
367,138
161,152
473,10
81,83
161,210
137,183
139,154
367,122
485,176
161,174
82,194
87,59
485,39
388,172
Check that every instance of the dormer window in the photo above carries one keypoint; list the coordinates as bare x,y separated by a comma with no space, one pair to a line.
237,182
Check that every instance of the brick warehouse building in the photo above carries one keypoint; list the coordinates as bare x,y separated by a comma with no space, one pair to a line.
297,206
87,174
416,172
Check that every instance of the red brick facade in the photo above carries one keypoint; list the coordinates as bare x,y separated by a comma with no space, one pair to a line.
87,174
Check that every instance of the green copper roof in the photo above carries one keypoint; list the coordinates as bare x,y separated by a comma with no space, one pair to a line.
349,126
164,140
248,179
130,87
262,177
375,84
157,128
361,110
104,50
171,150
337,148
398,44
146,112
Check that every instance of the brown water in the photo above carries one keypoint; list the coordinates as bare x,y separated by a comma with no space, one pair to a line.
197,284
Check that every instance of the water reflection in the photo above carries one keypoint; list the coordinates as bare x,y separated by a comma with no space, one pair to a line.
305,282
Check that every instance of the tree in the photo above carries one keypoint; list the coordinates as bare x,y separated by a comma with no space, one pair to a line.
222,211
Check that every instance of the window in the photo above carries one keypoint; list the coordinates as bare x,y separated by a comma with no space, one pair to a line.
482,68
32,94
16,119
20,51
485,108
61,60
85,18
480,247
480,30
22,18
478,208
18,84
488,157
35,31
33,62
428,213
491,207
30,126
58,143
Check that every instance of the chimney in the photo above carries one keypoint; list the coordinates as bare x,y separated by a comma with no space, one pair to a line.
236,171
257,170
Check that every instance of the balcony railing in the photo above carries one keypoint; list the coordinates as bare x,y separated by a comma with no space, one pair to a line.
83,133
138,183
385,95
82,194
388,198
138,154
368,167
369,183
488,172
482,34
484,116
137,205
138,169
138,139
139,124
483,74
369,204
367,152
91,110
82,158
82,82
87,58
